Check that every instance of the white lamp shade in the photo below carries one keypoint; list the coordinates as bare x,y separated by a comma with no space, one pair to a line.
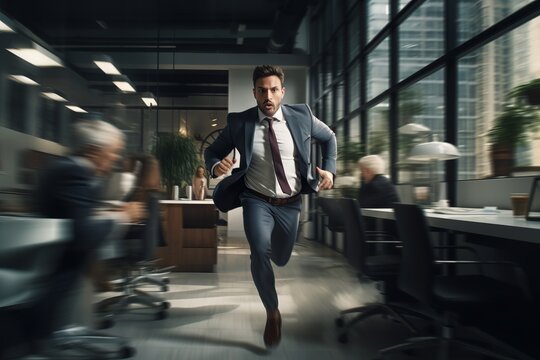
413,129
434,150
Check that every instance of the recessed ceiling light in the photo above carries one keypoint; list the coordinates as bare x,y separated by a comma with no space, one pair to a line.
53,96
23,79
124,86
107,67
214,124
4,27
149,101
36,57
76,109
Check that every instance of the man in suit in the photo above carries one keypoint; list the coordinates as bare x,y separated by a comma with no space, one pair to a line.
70,188
274,142
377,191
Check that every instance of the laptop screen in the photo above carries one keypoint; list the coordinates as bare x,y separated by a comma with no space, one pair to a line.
533,208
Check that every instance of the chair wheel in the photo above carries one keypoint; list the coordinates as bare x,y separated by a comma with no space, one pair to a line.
340,322
126,352
343,338
160,315
165,305
106,323
164,288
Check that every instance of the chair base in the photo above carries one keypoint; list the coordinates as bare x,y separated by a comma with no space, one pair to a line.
80,342
445,346
393,311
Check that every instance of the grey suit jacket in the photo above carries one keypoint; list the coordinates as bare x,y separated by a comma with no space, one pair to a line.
239,132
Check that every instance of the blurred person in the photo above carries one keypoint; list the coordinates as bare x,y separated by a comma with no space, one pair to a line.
376,190
274,141
70,188
198,182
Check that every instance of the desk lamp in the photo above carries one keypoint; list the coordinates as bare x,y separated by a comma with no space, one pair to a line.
434,151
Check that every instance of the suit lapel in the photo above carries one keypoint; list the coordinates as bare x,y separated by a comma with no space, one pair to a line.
249,130
295,129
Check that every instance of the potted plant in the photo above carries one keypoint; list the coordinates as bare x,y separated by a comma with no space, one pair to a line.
512,127
177,156
528,93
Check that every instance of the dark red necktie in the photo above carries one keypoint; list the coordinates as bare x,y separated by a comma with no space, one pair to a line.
276,157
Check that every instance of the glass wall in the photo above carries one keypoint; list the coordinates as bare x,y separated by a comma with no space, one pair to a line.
403,67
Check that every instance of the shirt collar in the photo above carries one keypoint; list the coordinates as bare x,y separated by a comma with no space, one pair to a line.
277,116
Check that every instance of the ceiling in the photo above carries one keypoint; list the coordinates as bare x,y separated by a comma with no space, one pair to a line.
161,45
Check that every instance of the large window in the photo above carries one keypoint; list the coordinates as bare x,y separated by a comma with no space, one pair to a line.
378,70
404,74
421,38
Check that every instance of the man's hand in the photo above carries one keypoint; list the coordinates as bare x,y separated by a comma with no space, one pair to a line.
224,166
135,211
326,181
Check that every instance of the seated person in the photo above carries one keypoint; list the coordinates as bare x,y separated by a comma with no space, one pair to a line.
198,182
71,188
376,191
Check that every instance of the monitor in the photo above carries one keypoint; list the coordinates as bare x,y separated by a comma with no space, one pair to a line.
533,207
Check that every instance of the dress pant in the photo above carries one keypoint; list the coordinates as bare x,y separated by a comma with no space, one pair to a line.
271,231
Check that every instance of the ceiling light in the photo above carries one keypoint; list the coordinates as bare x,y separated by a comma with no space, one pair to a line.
124,85
23,79
214,124
53,96
107,67
76,109
37,56
4,27
149,101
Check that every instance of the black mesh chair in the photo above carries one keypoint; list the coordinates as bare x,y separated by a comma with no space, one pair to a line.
381,268
140,245
445,298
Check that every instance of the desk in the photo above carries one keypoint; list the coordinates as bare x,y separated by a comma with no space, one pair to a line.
191,235
502,225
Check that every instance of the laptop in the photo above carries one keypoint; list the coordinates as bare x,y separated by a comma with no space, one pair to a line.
533,207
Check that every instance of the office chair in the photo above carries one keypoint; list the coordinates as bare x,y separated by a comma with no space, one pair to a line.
381,268
29,252
139,248
444,298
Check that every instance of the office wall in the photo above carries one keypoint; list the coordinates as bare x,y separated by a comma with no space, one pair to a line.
241,98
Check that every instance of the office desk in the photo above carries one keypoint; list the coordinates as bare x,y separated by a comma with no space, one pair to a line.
502,225
191,234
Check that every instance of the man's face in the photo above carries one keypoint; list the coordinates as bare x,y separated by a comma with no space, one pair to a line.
106,157
268,92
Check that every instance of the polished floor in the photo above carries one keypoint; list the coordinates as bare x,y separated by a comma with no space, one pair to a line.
219,315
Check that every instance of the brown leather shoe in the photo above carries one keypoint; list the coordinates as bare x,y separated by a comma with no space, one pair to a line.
272,330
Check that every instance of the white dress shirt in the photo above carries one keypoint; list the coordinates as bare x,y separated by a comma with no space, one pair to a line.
260,175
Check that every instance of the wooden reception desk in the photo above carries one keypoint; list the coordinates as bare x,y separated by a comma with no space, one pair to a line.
191,235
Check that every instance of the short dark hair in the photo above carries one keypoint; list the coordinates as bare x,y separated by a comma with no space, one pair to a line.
262,71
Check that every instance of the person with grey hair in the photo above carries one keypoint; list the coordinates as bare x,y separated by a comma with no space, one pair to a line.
376,191
70,188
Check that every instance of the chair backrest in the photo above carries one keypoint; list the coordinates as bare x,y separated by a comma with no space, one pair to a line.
351,215
416,269
151,231
142,239
330,206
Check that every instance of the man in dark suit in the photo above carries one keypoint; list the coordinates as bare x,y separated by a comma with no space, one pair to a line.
377,191
70,188
274,142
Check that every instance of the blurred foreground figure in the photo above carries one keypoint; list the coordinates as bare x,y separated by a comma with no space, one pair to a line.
70,188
